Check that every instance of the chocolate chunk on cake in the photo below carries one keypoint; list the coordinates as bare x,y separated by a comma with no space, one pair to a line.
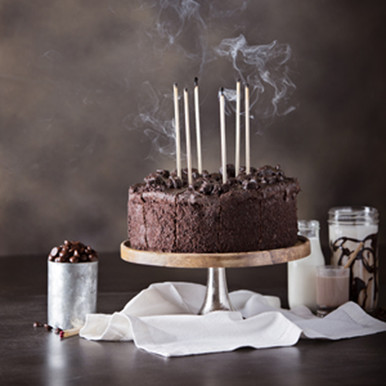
250,212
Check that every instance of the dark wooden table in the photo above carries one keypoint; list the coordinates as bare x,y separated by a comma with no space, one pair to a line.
35,357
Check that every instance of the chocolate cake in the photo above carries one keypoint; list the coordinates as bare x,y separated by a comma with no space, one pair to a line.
250,212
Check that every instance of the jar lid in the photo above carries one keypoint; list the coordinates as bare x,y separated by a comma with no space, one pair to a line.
353,215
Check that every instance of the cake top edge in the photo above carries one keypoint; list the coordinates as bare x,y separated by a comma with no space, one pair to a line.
264,178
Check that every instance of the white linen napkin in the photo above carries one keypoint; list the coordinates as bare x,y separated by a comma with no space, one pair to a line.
162,319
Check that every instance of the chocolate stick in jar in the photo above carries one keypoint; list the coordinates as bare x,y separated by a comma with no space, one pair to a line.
187,134
198,127
353,255
247,132
177,128
237,139
223,137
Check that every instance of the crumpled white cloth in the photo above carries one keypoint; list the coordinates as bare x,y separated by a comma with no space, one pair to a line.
162,319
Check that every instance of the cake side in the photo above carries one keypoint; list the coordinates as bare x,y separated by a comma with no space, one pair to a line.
136,219
278,221
160,220
249,212
197,223
239,221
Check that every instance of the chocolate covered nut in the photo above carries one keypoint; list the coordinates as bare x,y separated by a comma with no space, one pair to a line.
54,252
250,185
206,188
195,174
47,327
72,252
163,173
232,181
225,188
63,254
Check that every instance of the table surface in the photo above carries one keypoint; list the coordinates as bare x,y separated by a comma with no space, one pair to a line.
35,357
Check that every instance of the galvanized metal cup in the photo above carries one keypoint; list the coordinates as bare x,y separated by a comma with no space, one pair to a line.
72,293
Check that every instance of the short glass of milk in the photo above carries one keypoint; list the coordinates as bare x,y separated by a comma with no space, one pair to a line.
332,288
348,228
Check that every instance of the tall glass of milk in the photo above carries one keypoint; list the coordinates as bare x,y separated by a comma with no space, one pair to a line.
348,227
302,273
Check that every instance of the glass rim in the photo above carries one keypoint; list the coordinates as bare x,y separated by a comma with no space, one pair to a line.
308,224
331,267
332,270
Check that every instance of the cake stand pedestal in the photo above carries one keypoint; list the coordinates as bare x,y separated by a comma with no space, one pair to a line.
217,297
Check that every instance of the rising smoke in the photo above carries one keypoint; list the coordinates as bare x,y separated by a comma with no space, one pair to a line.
184,27
265,69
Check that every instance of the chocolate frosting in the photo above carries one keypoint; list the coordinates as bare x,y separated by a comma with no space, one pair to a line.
266,180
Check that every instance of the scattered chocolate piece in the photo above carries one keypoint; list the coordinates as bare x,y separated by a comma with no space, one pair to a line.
57,330
47,327
72,252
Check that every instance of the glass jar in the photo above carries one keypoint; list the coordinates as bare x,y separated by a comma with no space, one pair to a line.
351,228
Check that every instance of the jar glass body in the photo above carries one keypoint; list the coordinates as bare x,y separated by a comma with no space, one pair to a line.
349,227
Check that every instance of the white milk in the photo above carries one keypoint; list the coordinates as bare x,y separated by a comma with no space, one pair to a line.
302,273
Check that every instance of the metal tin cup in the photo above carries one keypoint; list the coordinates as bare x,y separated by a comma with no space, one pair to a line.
72,293
348,228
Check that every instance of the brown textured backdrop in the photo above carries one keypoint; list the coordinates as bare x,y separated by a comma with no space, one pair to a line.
72,73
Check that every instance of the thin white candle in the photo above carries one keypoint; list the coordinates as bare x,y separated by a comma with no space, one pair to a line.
237,144
198,128
223,138
247,132
177,128
187,134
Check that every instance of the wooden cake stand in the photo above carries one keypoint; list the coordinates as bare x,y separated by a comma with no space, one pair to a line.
217,297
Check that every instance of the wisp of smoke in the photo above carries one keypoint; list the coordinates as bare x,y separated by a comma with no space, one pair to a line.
154,112
179,24
265,69
184,10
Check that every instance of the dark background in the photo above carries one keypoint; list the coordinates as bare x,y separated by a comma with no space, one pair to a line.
73,73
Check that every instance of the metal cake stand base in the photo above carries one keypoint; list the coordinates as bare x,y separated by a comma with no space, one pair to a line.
217,297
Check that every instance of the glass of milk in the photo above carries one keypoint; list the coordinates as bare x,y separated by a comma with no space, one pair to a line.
332,288
302,272
348,227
